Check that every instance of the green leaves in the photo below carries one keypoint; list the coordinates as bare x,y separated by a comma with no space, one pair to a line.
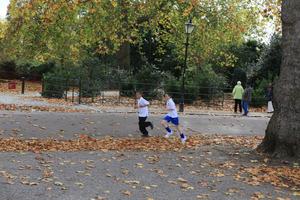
64,31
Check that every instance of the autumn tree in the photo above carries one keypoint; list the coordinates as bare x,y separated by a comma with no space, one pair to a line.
63,31
3,27
218,23
283,133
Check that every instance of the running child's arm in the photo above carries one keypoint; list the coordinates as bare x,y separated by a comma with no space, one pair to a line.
144,104
136,105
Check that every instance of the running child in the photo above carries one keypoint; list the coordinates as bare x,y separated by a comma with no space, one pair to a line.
142,106
172,117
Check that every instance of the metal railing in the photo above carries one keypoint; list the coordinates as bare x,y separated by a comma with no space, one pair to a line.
108,92
122,92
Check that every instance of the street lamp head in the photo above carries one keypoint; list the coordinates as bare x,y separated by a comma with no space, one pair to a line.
189,27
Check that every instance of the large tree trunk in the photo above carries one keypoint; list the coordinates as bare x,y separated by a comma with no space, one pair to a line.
283,133
123,56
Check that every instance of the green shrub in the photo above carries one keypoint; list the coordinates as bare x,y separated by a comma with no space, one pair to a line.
97,75
205,85
8,70
268,66
259,92
173,86
34,71
239,74
54,86
128,87
90,88
211,85
60,80
147,80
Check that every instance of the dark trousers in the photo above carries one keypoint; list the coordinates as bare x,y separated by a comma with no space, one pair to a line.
245,106
143,125
237,103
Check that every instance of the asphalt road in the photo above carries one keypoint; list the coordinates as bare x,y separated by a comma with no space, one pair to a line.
185,175
70,125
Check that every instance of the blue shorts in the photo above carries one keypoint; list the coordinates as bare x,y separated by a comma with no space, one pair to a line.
174,121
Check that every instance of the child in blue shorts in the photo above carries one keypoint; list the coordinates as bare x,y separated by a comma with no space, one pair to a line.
172,117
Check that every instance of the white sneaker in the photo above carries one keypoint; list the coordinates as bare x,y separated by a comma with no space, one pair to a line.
183,140
168,134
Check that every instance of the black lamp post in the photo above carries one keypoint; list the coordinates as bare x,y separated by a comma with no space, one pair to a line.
189,27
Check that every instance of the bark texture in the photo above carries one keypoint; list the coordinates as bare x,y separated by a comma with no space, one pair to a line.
283,132
123,56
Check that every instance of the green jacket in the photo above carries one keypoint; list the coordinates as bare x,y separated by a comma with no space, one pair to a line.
238,92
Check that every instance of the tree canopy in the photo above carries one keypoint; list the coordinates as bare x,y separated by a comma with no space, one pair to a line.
68,31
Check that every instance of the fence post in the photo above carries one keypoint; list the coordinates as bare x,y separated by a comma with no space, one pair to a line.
73,94
66,90
79,96
23,85
92,85
223,99
43,86
102,97
119,95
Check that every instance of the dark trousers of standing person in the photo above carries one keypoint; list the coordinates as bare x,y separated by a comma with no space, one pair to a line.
237,103
143,125
245,106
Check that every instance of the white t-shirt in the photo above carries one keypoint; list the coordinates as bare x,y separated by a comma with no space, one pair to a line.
143,112
171,107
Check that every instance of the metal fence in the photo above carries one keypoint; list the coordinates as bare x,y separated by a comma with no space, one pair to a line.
108,92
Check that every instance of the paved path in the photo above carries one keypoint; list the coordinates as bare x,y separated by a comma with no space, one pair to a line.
187,175
70,125
25,100
113,175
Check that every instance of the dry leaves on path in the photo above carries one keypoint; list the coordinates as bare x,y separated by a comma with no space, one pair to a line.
284,177
28,108
86,143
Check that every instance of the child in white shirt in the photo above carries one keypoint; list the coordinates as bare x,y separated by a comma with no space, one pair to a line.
172,117
143,113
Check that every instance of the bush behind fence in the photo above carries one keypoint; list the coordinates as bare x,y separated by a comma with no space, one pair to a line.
122,92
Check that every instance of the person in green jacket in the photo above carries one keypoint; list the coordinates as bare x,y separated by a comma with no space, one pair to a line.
237,93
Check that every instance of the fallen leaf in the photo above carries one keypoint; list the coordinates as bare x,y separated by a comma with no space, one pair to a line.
57,183
139,165
79,184
33,183
186,186
172,182
126,192
296,193
147,187
182,180
259,195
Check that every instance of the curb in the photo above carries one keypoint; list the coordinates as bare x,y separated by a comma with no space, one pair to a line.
253,115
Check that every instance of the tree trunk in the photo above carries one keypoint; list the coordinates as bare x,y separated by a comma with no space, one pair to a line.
123,56
283,133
